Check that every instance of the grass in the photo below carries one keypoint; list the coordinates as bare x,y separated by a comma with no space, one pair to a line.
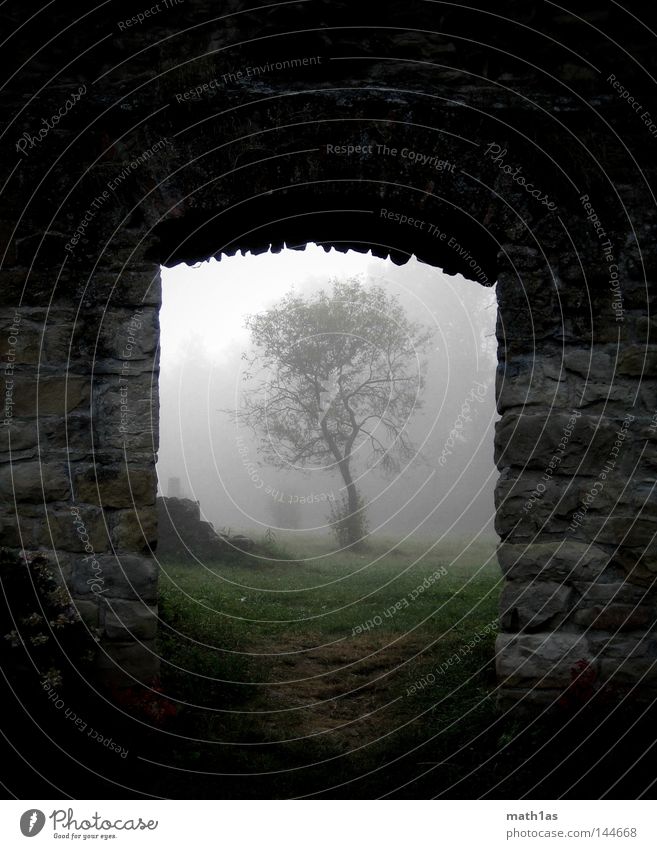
319,595
316,658
359,675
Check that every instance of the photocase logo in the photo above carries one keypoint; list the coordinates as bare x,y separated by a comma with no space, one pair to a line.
32,822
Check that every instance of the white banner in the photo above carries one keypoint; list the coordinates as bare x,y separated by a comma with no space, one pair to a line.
329,824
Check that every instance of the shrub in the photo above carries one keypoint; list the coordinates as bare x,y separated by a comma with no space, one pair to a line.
349,526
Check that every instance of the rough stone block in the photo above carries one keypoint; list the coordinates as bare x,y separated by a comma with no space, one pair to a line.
589,363
128,335
559,443
516,515
614,606
529,606
59,528
70,437
134,530
633,529
126,620
114,486
639,564
554,561
53,528
123,577
646,329
600,391
50,395
621,646
11,535
18,436
615,617
35,482
44,338
528,381
126,412
132,289
637,360
614,592
544,660
638,671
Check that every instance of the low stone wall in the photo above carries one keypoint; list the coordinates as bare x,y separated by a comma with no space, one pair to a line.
184,537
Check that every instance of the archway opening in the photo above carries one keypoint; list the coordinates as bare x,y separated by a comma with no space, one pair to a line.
276,630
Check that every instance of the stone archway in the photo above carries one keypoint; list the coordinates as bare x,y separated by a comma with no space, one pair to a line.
419,135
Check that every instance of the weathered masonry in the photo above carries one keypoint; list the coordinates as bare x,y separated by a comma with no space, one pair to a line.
506,140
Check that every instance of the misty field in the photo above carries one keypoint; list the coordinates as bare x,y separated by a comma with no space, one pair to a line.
343,671
360,675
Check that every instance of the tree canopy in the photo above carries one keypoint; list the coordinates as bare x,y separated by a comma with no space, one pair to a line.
335,377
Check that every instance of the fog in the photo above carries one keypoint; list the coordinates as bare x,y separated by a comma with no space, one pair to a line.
446,489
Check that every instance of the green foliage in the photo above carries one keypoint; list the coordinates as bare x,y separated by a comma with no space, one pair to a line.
38,621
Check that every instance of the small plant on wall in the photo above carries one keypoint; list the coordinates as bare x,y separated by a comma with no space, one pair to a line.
40,628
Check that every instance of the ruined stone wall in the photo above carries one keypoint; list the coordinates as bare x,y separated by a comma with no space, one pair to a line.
195,133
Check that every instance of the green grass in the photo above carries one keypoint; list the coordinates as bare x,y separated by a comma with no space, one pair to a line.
313,656
286,692
331,594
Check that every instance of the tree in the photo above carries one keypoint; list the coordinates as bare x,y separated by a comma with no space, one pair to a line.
334,376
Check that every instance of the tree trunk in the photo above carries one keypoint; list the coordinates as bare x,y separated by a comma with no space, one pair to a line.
355,518
354,521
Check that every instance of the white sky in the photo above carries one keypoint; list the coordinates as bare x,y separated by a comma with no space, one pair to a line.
203,312
210,301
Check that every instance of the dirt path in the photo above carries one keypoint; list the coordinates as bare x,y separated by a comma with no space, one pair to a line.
348,693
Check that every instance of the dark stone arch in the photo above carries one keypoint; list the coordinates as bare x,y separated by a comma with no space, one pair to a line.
176,152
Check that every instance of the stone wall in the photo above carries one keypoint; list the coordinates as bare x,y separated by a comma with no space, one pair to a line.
184,537
168,148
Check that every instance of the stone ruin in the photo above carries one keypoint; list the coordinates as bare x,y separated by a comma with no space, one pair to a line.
508,141
182,536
